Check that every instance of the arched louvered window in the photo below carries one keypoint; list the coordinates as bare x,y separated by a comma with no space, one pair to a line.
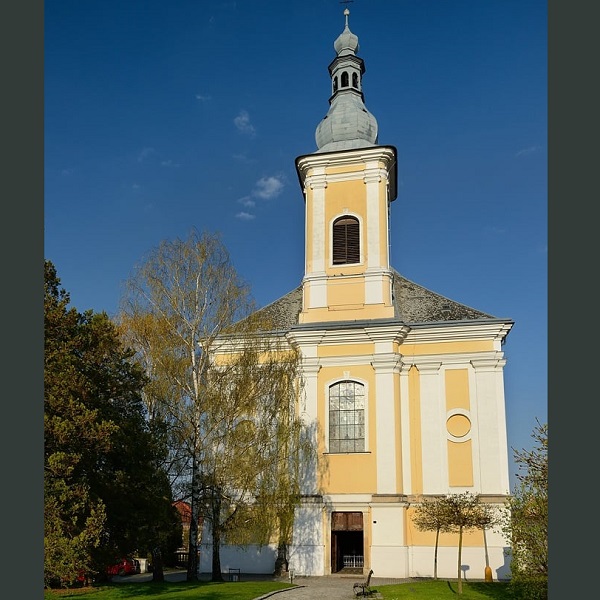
347,417
335,84
345,80
355,80
346,241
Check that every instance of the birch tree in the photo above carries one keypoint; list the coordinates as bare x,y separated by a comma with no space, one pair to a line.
225,388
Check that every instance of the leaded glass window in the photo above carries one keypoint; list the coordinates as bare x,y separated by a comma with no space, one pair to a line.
347,417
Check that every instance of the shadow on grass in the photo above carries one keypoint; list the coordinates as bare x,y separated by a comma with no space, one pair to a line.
444,588
184,590
497,590
206,590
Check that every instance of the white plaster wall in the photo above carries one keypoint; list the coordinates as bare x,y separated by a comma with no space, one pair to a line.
389,561
251,559
389,558
306,553
472,561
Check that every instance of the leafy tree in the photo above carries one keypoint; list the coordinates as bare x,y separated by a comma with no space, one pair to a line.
431,515
74,518
464,512
225,390
488,518
526,519
253,472
454,513
100,476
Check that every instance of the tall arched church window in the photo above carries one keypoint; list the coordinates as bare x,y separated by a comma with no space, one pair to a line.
345,79
355,80
347,417
335,84
346,241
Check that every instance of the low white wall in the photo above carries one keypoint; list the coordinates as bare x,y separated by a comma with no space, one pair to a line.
251,559
472,562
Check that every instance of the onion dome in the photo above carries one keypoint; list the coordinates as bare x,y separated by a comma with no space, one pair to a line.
348,124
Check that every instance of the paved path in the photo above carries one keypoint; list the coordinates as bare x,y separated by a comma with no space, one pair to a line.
327,587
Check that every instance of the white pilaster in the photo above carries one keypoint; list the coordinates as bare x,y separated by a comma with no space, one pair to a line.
405,429
433,432
491,425
372,179
386,366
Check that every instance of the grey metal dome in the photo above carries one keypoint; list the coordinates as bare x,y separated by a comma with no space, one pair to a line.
348,124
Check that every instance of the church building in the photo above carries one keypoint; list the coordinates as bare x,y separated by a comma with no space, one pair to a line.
406,386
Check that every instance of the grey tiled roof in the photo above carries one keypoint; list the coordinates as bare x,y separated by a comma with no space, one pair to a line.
412,304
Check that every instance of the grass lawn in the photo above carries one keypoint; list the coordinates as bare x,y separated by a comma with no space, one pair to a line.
168,590
248,590
442,589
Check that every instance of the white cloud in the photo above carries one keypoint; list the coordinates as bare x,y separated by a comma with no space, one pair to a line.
243,124
169,163
203,97
66,171
135,186
243,158
145,153
494,230
527,151
247,202
244,216
268,187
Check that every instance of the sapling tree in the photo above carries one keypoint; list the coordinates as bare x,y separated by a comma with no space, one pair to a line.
432,515
464,512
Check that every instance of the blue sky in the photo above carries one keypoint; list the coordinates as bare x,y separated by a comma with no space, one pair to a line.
163,116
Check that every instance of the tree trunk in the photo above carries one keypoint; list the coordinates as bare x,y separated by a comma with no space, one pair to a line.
216,538
488,571
157,565
435,556
281,562
192,563
460,535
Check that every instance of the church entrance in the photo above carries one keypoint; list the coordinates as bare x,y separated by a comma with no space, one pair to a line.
347,542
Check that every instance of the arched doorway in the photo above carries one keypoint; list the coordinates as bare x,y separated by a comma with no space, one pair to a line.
347,542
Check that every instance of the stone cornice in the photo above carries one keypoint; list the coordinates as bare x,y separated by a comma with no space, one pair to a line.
358,335
350,158
495,330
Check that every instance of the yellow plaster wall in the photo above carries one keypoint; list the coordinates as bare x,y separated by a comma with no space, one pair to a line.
353,472
460,463
350,474
344,292
341,169
414,410
414,537
346,313
457,389
346,350
447,347
460,453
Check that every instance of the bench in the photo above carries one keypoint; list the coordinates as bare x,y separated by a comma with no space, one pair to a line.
363,588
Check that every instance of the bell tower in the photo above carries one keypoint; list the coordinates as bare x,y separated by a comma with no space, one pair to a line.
348,185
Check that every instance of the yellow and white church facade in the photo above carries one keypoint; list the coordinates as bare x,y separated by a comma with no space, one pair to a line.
405,386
